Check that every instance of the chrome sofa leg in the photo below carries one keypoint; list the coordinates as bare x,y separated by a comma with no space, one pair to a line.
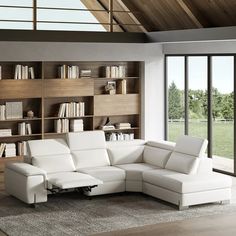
182,208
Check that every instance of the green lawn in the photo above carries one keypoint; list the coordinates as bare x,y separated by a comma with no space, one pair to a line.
222,135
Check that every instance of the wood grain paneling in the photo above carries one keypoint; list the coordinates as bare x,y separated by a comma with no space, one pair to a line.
68,87
108,105
13,89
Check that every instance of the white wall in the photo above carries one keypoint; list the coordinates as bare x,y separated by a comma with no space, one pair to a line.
200,47
152,100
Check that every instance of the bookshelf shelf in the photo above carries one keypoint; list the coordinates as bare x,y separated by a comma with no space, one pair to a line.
20,136
24,119
112,130
74,117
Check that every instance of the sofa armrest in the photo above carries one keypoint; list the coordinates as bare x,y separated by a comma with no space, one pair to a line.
26,169
26,182
205,165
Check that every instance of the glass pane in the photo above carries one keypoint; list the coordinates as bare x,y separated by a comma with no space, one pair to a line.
175,78
197,75
70,16
25,3
75,4
223,112
16,25
70,27
7,13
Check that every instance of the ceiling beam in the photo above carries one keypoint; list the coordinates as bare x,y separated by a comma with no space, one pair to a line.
132,16
193,13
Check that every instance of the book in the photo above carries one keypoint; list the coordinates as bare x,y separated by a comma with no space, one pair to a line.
2,112
2,149
14,110
5,132
76,125
0,72
122,86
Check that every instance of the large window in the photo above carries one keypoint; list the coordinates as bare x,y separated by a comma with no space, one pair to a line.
70,15
204,92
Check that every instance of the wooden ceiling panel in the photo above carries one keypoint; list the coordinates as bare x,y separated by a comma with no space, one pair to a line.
160,15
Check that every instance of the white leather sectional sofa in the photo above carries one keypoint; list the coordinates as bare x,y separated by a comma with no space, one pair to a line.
180,174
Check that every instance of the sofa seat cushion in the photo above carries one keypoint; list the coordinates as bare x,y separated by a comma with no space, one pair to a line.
105,173
135,171
66,180
182,183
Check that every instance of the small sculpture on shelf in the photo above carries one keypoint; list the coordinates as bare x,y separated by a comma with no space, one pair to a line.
111,87
30,114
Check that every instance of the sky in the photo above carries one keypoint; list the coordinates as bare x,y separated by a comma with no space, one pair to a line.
48,15
222,72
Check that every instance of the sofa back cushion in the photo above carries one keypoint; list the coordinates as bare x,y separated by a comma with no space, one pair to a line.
125,152
156,156
182,163
186,155
51,155
88,149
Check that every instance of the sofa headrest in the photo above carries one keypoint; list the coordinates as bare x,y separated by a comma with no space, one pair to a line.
47,147
191,145
86,140
162,144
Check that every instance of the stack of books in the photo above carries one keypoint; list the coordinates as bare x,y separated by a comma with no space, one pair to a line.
2,112
22,148
24,72
14,110
76,125
61,126
68,72
115,71
24,128
10,150
73,109
123,125
5,132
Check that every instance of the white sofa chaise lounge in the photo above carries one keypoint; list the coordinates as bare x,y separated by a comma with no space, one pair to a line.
180,174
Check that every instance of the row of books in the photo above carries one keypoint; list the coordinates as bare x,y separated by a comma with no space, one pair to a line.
120,136
68,72
115,71
12,110
24,128
9,149
24,72
66,125
73,109
5,132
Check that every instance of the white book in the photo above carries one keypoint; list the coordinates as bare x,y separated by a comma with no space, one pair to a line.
31,73
28,129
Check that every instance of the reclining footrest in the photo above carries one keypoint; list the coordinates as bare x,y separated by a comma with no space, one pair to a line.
68,180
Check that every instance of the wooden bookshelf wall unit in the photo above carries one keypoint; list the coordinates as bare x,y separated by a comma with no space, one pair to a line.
44,94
